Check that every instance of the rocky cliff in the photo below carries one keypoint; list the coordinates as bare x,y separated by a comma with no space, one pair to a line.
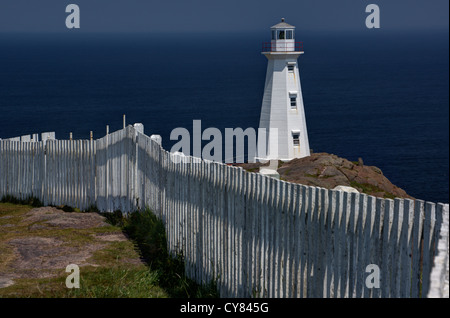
328,171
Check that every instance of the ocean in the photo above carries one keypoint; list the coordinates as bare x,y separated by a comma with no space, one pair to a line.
379,95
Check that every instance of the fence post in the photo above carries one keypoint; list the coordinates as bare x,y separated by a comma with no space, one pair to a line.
428,231
439,274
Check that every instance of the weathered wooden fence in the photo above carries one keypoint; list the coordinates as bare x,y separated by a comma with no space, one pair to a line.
255,235
22,169
116,173
33,137
440,273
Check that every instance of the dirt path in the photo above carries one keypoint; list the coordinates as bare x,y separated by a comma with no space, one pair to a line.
40,242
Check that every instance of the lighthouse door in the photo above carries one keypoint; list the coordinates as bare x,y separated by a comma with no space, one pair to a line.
296,143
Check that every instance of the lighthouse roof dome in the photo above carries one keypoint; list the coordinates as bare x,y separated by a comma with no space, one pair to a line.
283,25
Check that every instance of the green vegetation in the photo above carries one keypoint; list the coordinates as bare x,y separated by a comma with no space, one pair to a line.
67,208
369,189
280,164
95,282
140,268
115,271
31,201
119,282
149,234
317,176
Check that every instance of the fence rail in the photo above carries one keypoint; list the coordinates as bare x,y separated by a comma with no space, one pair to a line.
257,236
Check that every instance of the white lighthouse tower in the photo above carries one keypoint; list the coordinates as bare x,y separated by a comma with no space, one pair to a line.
282,113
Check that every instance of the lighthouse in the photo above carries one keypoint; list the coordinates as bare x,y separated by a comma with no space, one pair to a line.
282,113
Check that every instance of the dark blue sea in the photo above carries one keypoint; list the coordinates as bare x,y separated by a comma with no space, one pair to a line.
382,96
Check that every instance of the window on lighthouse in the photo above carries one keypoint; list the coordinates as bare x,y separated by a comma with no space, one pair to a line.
281,35
293,102
296,138
289,34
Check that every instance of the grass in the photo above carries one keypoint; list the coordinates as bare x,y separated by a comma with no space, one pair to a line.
30,201
369,188
115,271
128,283
101,282
111,275
149,234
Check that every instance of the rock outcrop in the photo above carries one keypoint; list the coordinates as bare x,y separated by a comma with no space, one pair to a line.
328,171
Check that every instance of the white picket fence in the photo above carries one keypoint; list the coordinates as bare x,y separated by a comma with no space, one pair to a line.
440,273
254,235
33,137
